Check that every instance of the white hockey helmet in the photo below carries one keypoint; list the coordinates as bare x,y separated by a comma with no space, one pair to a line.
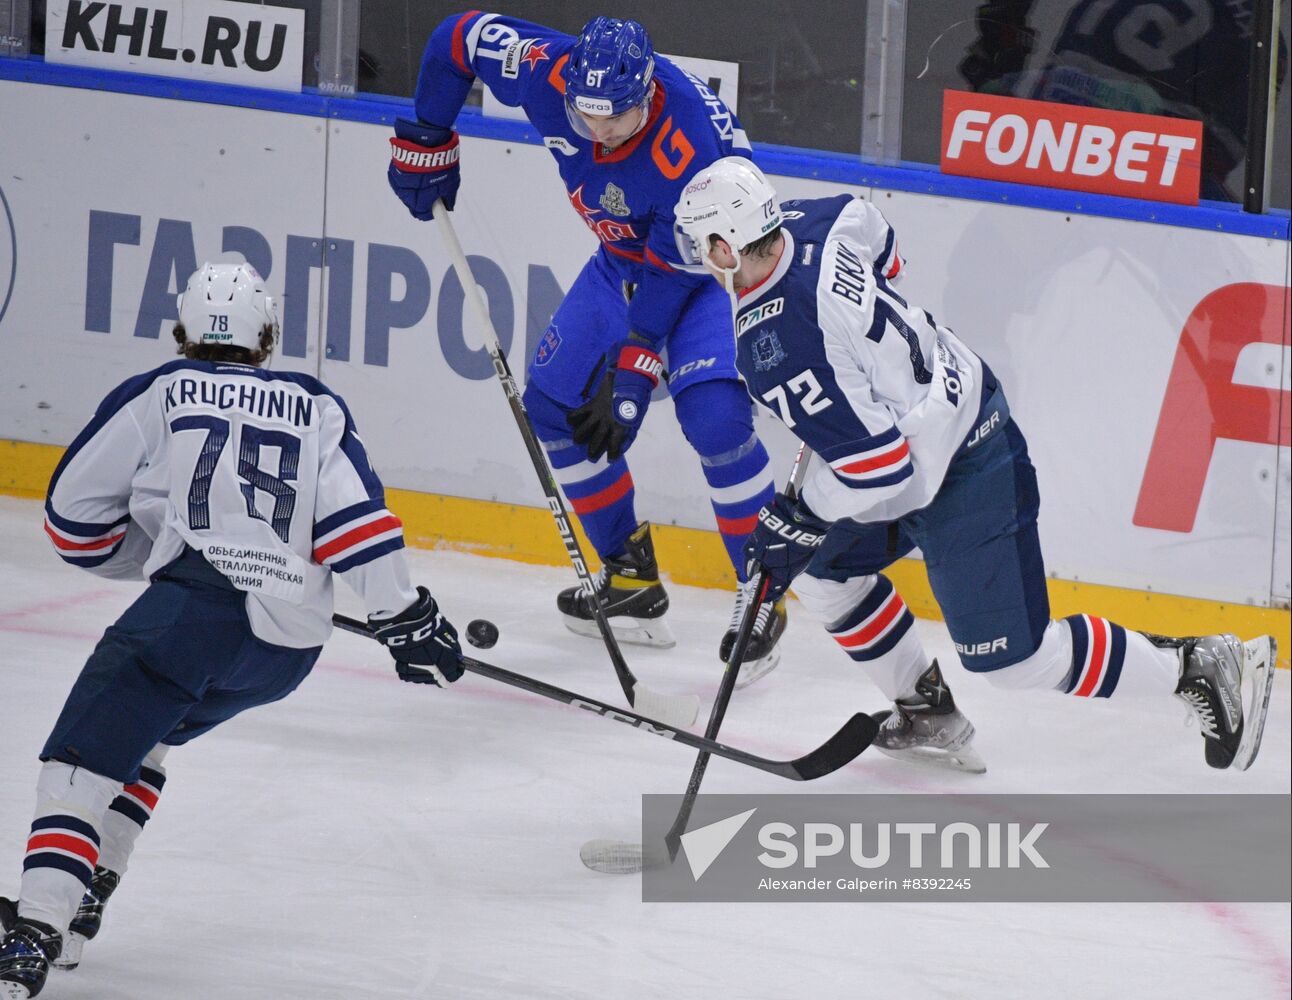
730,199
226,304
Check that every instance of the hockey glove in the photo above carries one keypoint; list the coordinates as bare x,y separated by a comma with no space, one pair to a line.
786,538
423,643
424,166
607,423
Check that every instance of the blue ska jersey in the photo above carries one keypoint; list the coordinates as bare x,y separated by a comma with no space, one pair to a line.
881,393
625,196
262,472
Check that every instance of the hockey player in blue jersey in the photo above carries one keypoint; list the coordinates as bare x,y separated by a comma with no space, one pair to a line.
625,127
914,445
238,493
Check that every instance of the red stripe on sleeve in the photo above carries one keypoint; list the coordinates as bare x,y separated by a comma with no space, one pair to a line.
893,457
102,543
459,43
352,538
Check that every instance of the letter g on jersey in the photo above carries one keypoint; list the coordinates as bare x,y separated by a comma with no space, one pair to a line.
8,254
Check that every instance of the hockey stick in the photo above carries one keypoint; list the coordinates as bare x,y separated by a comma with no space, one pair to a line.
844,746
676,710
614,857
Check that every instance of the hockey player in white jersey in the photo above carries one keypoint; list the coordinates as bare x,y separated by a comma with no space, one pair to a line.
238,493
914,446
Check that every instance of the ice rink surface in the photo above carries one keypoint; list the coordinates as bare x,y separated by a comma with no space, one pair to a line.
367,838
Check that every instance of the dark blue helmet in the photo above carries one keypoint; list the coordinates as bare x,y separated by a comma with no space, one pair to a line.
610,67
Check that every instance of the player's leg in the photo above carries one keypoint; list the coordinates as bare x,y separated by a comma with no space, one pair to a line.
179,661
567,365
124,821
115,712
865,615
716,416
984,559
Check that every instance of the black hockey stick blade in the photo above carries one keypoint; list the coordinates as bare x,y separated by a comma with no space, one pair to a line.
841,748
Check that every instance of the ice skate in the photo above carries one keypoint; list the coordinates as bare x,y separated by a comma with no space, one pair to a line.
928,728
25,954
762,652
88,919
1226,684
631,595
8,914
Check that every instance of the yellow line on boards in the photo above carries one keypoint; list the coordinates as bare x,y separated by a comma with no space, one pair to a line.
697,558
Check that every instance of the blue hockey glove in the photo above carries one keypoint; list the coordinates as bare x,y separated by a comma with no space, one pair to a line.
786,538
423,643
424,166
608,422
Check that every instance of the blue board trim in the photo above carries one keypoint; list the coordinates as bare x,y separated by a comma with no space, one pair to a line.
786,161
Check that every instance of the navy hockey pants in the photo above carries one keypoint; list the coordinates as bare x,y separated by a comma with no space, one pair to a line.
180,660
980,544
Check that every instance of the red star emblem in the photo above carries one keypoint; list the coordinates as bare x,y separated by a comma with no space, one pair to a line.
576,199
535,54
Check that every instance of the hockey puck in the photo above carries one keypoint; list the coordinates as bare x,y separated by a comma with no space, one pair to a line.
482,634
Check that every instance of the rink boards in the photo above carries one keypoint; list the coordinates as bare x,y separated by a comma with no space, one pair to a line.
1148,364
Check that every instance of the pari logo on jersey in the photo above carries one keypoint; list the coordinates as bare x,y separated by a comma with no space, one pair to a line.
215,40
1071,147
8,255
765,311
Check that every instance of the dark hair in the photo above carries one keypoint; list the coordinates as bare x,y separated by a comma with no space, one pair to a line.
226,352
764,245
761,247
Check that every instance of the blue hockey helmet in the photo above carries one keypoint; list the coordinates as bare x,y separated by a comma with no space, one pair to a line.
609,71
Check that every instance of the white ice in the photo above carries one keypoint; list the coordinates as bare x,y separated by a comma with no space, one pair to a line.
367,838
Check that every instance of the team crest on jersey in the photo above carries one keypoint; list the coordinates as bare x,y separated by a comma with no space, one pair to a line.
613,201
767,351
547,346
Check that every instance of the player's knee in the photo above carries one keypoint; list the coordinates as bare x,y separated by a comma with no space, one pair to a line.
716,416
1042,665
830,600
546,415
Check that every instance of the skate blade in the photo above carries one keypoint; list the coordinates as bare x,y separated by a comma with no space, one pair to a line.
634,631
966,759
1258,683
755,670
70,957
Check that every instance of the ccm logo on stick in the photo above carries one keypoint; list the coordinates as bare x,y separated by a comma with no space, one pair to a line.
1077,148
